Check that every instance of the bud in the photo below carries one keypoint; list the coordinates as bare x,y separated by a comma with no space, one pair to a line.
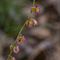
35,22
33,9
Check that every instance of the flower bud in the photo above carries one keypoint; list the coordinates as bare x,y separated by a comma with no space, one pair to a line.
33,9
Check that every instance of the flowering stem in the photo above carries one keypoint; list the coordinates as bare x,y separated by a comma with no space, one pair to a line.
13,45
9,56
15,41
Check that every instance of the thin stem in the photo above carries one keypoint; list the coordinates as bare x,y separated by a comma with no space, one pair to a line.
15,41
33,2
21,29
18,35
9,56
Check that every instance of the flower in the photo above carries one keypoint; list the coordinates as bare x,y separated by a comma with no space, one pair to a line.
35,9
31,22
16,49
20,39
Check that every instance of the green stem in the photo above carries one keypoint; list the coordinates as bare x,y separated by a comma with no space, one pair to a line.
21,29
33,2
14,42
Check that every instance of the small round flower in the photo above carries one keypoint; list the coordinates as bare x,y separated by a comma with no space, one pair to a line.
31,22
33,9
16,49
20,39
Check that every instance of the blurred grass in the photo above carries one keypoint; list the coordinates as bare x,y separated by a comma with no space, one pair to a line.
11,16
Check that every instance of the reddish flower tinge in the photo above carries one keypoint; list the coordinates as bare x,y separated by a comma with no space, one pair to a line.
16,49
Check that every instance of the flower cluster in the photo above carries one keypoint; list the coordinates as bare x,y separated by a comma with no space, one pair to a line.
31,22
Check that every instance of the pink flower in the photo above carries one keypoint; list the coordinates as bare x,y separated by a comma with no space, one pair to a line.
20,39
16,49
35,22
